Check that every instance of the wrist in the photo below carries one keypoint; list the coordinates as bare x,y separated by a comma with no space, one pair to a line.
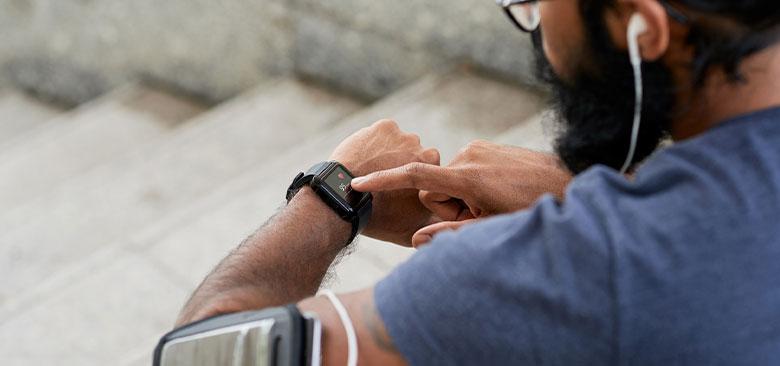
324,221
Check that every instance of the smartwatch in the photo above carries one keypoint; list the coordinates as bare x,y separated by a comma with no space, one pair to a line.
331,181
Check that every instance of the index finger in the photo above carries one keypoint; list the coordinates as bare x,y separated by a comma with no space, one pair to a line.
417,176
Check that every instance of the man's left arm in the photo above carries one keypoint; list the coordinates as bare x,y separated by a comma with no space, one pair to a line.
286,260
283,262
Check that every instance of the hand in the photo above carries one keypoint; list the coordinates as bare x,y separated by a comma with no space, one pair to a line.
484,179
397,214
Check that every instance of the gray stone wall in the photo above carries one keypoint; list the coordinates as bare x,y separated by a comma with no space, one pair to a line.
76,49
387,43
73,50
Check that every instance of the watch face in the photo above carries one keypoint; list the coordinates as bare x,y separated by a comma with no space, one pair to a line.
339,181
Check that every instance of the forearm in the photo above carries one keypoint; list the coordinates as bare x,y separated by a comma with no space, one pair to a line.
283,262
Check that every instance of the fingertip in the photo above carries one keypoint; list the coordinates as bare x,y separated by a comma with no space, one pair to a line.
432,156
420,239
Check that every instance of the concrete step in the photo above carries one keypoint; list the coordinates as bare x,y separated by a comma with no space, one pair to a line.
97,321
20,114
447,111
36,162
113,201
178,249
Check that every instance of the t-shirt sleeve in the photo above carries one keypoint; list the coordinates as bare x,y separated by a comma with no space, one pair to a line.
528,288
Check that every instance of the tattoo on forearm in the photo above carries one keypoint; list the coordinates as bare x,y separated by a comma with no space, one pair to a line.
376,328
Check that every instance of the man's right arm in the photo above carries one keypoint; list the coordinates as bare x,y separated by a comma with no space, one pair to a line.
483,180
533,287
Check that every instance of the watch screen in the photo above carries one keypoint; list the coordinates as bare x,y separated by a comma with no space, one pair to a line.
339,181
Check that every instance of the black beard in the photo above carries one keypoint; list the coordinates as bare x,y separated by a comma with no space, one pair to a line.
597,107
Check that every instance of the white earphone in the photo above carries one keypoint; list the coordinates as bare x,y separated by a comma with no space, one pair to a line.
636,27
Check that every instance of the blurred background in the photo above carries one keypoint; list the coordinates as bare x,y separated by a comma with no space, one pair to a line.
141,140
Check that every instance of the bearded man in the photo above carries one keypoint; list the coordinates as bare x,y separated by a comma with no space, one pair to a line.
612,251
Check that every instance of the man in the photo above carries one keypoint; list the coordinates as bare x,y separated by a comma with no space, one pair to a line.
673,263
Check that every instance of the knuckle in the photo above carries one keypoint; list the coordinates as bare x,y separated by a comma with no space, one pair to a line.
413,168
386,124
414,138
481,142
476,144
473,147
465,150
412,172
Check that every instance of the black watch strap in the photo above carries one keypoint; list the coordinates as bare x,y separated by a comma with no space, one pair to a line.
364,214
304,179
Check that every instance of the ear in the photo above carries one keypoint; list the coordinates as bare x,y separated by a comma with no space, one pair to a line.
654,42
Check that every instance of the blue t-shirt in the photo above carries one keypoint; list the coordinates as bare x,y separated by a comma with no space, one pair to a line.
679,266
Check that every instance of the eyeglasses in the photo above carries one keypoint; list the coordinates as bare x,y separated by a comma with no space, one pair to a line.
523,13
526,16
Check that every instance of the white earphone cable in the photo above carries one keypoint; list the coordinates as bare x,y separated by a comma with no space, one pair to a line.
636,64
352,345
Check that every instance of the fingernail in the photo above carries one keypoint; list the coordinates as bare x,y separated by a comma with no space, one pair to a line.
358,180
